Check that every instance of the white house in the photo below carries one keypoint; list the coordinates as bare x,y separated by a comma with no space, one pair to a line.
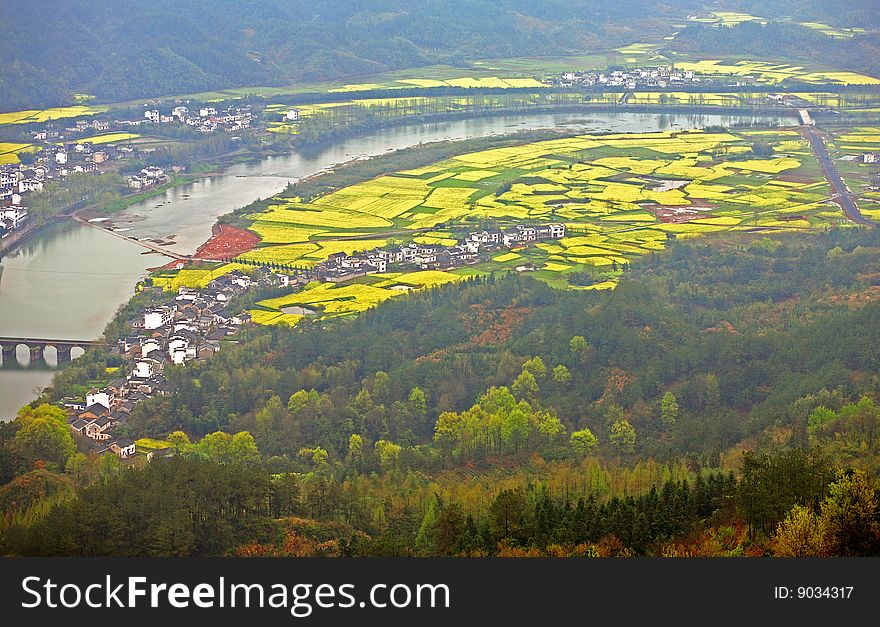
292,115
152,115
143,369
15,215
30,185
157,317
100,397
123,447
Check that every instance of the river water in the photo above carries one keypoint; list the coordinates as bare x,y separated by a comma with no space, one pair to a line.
69,280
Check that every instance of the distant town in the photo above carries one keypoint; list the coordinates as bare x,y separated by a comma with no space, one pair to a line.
57,153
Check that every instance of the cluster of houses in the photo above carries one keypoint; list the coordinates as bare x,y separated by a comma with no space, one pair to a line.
57,153
12,217
207,119
635,78
148,177
188,327
474,248
56,159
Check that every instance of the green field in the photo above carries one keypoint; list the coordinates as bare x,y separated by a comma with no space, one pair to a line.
847,147
621,196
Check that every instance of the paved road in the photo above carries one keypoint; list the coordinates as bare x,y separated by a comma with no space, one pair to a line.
842,195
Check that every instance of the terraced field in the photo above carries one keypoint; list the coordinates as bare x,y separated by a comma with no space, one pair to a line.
621,196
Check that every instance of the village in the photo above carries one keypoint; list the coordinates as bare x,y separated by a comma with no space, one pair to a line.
633,78
57,153
194,323
474,248
188,327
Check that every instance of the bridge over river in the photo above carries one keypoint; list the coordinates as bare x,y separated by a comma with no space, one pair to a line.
38,345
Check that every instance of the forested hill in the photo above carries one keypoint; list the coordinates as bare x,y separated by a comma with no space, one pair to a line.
123,49
119,50
502,417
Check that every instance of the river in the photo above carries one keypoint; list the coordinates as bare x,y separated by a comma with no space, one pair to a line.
68,280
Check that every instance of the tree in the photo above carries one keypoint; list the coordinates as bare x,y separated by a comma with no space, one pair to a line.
44,434
317,456
508,514
515,428
850,515
801,534
425,535
389,454
269,418
583,442
448,529
447,431
243,450
179,440
669,409
536,367
579,345
525,387
355,447
561,376
623,437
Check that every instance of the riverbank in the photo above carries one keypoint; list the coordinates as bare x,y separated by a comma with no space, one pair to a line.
94,276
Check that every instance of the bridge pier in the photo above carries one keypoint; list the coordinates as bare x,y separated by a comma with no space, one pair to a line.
36,353
63,353
8,353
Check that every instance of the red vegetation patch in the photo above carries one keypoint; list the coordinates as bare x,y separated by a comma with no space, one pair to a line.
227,242
491,327
488,327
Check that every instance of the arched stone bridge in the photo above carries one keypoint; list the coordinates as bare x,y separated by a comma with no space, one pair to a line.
38,345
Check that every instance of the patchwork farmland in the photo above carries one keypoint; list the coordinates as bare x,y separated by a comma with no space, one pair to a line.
620,196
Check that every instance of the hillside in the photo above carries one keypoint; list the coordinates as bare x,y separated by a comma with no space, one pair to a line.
504,417
120,50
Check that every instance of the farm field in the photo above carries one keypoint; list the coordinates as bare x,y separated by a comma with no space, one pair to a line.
621,196
44,115
731,18
847,148
772,72
9,152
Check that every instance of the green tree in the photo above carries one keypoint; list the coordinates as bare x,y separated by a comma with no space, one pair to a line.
669,409
561,376
583,442
525,387
318,457
389,454
426,532
515,429
44,434
508,516
623,437
243,450
355,447
536,367
179,440
850,515
801,534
